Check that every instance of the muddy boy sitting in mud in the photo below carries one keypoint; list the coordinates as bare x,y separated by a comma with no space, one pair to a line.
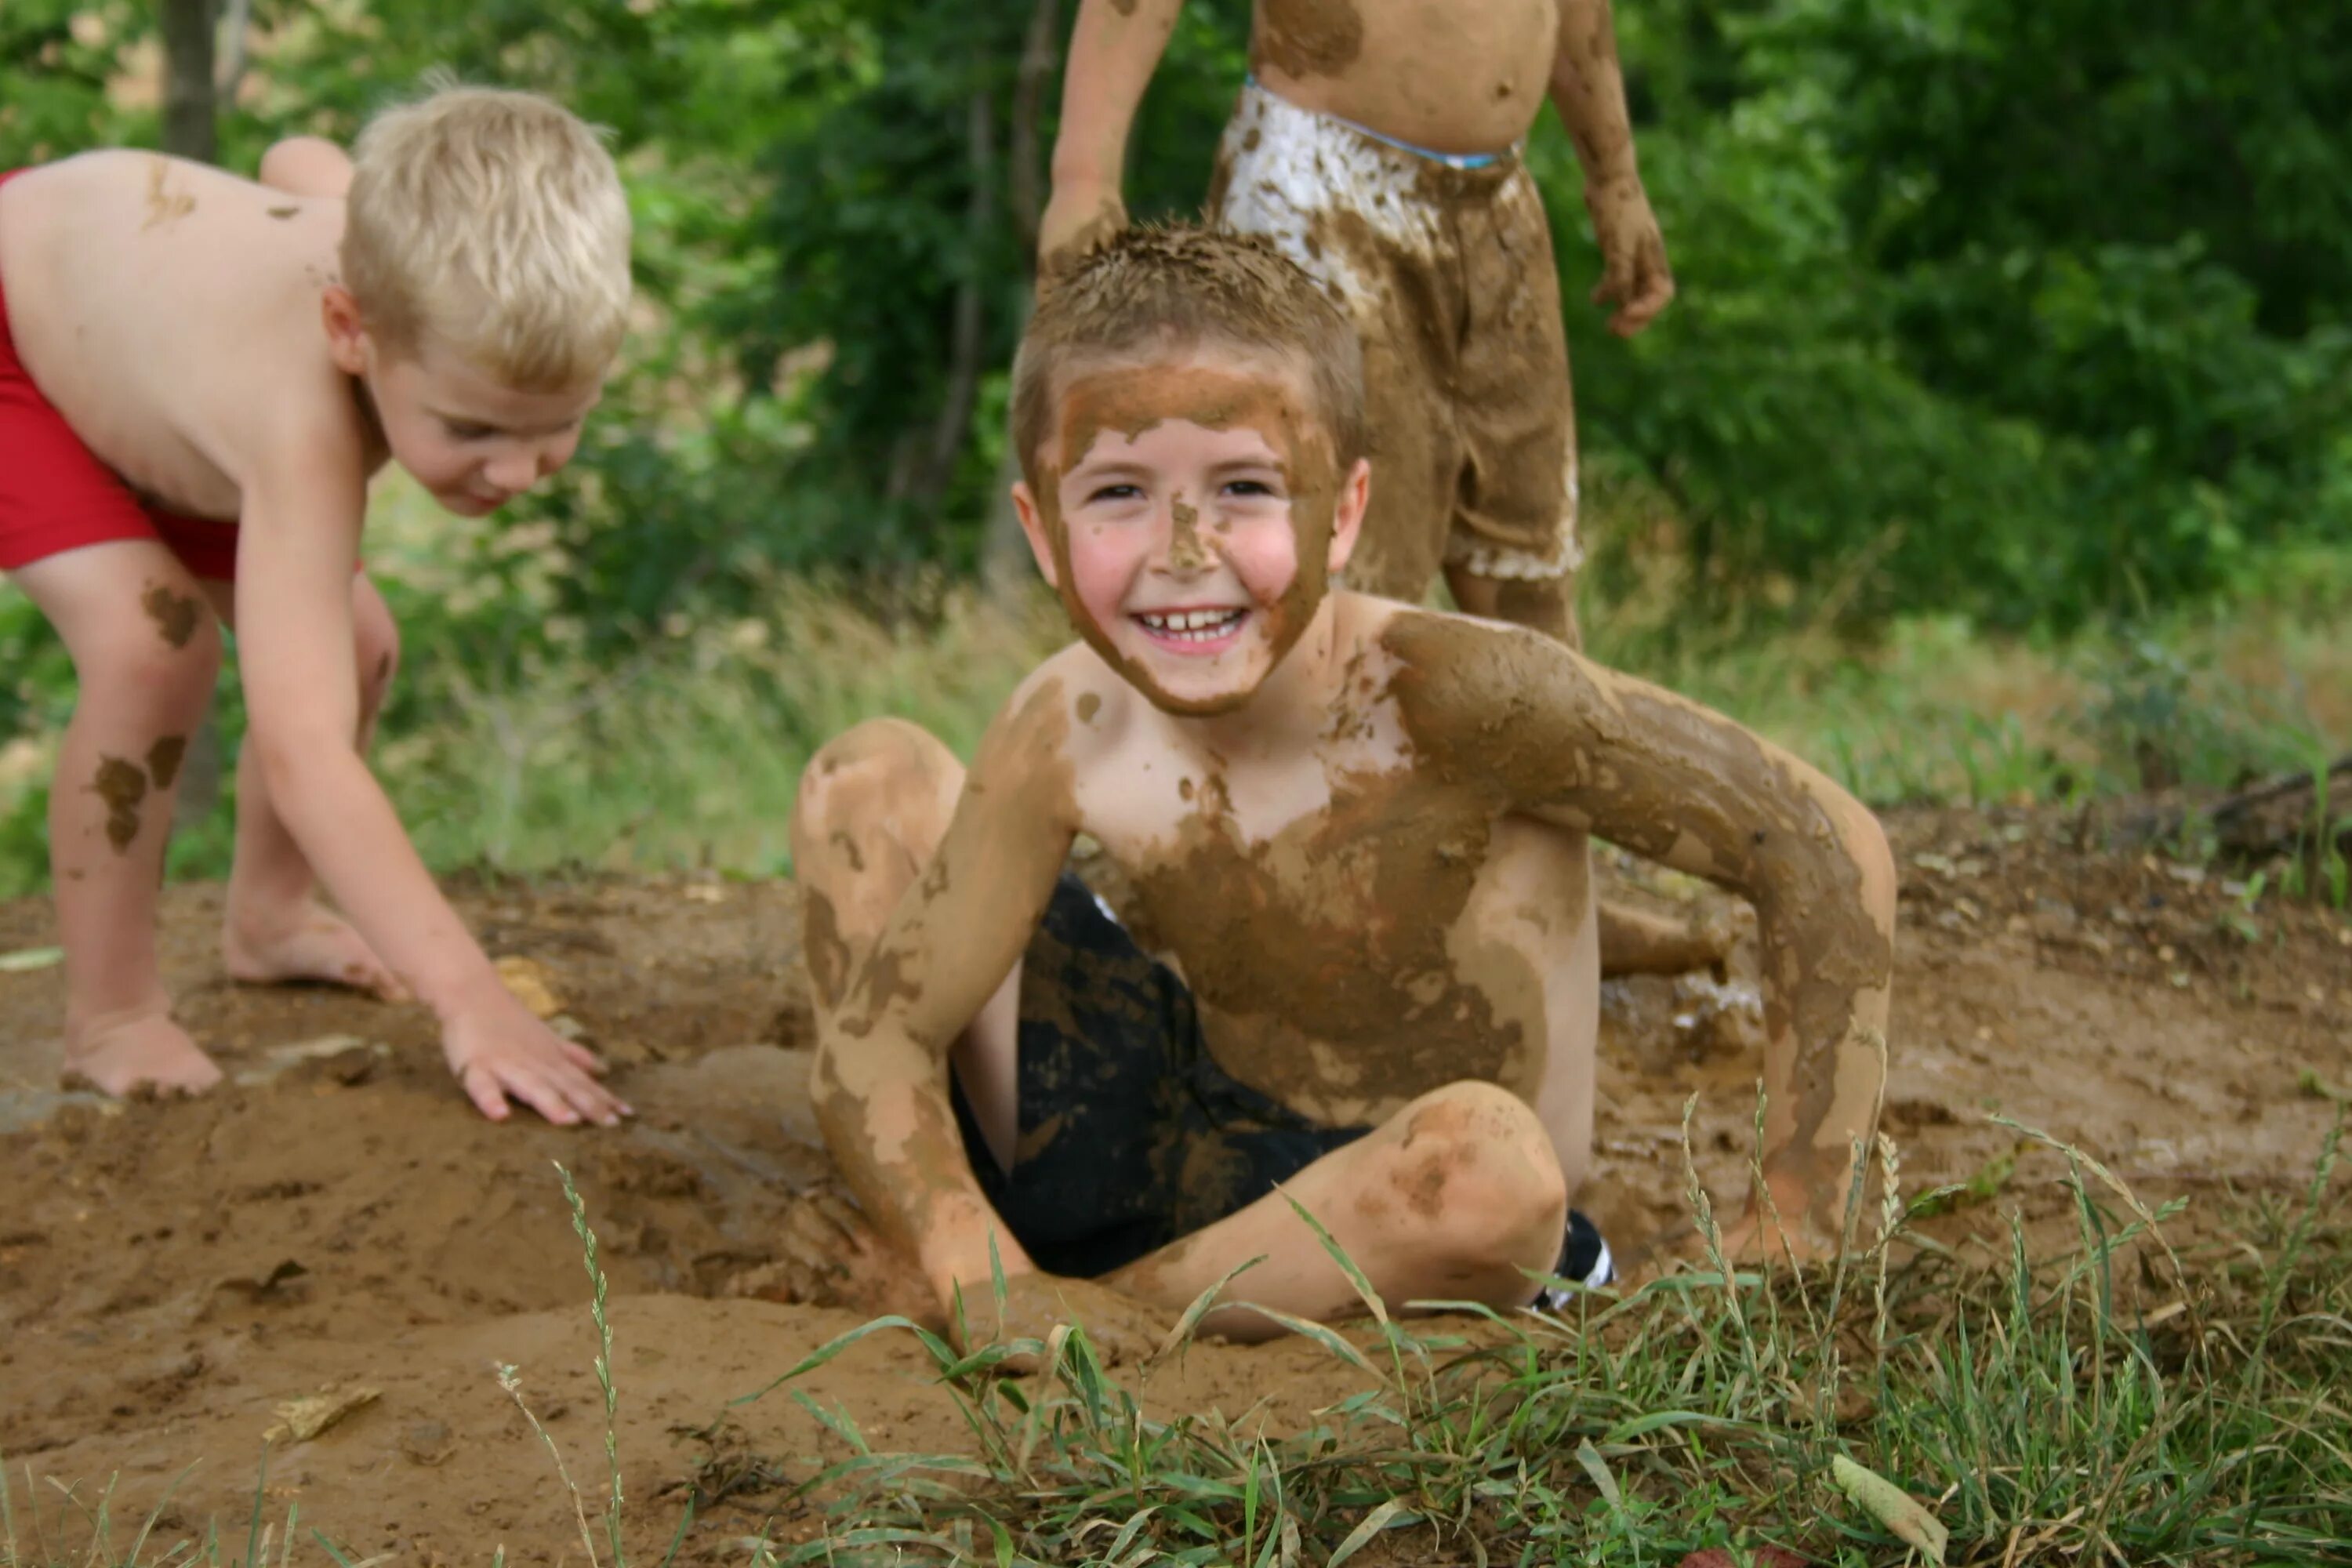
197,376
1359,829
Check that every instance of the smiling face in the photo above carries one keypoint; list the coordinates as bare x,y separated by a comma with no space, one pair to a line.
474,443
1191,512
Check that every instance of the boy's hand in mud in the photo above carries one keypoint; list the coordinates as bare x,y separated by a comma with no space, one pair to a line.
1635,276
1122,1329
499,1051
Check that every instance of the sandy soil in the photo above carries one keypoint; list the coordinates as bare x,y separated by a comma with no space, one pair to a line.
340,1220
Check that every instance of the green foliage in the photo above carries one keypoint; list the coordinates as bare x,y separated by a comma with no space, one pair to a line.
2028,311
57,57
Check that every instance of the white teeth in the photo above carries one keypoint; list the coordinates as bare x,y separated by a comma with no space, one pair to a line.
1191,625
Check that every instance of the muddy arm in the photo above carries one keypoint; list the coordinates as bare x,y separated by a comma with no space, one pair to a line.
1588,88
880,1080
1574,744
1115,47
1686,786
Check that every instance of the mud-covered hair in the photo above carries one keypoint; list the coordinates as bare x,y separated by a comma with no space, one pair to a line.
1159,291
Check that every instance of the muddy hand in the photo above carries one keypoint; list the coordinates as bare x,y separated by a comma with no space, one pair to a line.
499,1051
1076,220
1635,276
1122,1329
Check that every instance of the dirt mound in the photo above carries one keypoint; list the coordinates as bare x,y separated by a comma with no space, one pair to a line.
338,1220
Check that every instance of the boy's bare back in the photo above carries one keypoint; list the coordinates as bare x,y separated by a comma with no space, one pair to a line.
1454,76
171,311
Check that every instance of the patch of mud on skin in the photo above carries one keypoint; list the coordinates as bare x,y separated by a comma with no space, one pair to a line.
1303,38
165,206
174,615
123,785
164,759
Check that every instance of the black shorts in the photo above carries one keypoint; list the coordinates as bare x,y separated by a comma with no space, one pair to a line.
1131,1136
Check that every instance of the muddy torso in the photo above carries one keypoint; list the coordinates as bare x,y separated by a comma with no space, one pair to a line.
1454,76
167,309
1357,928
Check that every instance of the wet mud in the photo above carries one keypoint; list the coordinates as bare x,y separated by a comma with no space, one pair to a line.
174,614
164,205
1304,38
164,759
337,1217
121,785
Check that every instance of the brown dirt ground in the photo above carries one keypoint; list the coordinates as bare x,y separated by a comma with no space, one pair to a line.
169,1273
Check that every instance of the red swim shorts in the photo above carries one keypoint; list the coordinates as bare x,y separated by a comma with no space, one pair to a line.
56,496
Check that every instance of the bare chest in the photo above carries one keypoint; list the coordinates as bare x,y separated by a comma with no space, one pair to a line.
1356,954
1443,74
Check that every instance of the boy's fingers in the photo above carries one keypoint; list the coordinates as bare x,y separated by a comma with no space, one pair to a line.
482,1088
583,1059
545,1097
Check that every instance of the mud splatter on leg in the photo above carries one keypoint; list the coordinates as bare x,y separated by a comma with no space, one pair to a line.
123,785
174,615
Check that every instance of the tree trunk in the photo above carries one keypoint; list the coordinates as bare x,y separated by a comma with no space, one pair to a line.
953,427
188,86
1004,554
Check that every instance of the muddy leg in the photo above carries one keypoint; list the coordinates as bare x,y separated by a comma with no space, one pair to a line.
1451,1199
873,805
274,927
145,653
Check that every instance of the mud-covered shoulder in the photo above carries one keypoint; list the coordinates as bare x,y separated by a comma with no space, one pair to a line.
1040,737
1494,703
1095,707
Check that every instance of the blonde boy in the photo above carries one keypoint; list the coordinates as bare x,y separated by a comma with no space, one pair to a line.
197,376
1358,826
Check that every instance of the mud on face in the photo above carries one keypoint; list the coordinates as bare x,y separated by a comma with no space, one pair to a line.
1128,402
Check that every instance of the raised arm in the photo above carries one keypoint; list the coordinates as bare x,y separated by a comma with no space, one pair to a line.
1115,47
880,1083
1588,88
1574,743
296,552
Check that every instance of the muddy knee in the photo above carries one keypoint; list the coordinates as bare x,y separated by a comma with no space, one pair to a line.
1473,1171
884,775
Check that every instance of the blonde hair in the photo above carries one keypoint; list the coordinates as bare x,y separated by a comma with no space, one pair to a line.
1156,292
492,222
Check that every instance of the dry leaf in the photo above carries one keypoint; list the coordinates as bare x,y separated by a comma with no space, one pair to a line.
1893,1506
299,1420
26,959
530,983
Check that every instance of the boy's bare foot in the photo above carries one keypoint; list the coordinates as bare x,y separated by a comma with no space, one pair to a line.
313,944
119,1053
